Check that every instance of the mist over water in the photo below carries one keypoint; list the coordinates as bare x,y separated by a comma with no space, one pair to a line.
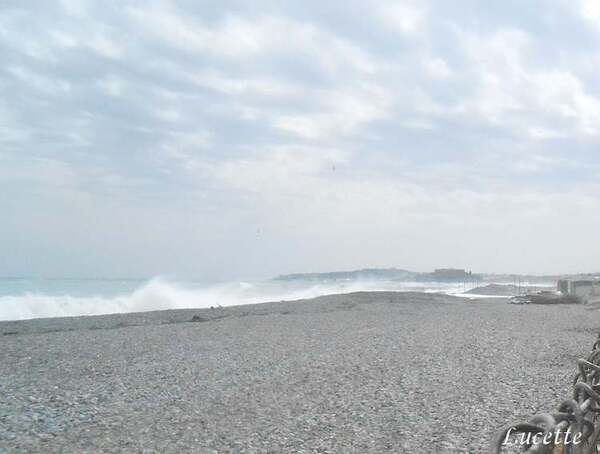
22,299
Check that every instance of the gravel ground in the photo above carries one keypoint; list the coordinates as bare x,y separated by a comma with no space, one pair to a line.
361,373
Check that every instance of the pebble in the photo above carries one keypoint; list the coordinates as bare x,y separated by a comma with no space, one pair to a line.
359,373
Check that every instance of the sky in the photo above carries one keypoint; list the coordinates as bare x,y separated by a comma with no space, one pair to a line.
230,139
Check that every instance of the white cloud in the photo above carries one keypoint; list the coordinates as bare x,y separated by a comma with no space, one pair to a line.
112,85
105,46
408,17
63,39
314,197
233,38
509,89
339,113
263,86
438,68
99,42
283,170
77,8
403,128
536,163
48,85
590,10
541,133
239,38
51,173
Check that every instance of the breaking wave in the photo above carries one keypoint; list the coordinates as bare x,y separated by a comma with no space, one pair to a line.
160,294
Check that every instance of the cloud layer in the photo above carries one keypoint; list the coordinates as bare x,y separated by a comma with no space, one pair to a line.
228,139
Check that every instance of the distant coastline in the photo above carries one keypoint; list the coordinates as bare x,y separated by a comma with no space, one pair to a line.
438,275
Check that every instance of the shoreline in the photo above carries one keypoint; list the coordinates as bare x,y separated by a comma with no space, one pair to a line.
365,373
184,315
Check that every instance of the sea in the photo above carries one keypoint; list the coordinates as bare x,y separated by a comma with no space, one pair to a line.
26,298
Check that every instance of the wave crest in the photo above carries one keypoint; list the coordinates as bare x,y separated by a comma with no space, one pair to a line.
161,294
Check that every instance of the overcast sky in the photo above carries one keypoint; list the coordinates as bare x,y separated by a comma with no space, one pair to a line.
236,139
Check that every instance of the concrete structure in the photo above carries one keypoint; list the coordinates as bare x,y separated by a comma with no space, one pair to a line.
450,274
563,286
585,290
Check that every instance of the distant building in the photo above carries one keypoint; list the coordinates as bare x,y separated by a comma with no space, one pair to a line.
583,289
563,286
449,275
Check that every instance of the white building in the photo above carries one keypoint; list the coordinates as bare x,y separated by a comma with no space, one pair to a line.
585,290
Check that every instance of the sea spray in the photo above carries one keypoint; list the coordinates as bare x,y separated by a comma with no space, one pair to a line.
161,293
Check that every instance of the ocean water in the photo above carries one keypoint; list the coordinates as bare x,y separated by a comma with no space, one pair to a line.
25,298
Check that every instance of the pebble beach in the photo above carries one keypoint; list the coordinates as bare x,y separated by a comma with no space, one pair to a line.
369,372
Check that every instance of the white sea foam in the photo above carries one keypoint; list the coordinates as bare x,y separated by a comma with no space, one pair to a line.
159,294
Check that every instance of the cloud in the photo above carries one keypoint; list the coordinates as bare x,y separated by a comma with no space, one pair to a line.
326,202
405,134
437,68
234,37
407,17
508,90
590,10
336,113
